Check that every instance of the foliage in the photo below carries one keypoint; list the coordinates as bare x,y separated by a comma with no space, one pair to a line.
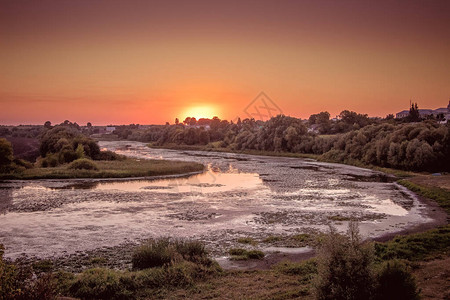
354,138
344,267
6,155
414,115
66,143
164,251
243,254
394,281
417,246
109,155
20,282
83,164
100,284
441,196
308,267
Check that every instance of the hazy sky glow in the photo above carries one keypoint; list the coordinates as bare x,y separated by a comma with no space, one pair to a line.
148,62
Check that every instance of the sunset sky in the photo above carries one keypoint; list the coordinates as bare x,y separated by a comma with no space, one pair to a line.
147,62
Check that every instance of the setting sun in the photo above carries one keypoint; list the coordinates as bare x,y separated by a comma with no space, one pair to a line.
201,111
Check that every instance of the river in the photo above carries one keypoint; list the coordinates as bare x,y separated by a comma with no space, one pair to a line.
238,195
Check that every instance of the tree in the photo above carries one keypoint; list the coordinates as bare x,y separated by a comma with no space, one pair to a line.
6,155
177,121
414,115
48,124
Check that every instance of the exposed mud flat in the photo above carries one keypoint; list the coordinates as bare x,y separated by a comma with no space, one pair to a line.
238,196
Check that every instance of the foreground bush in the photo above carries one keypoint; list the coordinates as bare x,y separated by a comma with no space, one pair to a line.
20,282
83,164
347,270
394,281
345,267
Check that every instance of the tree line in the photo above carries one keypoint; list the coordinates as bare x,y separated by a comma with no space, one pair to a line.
401,144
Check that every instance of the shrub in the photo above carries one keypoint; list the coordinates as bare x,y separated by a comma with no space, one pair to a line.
344,267
17,281
164,251
109,155
246,240
394,281
100,284
50,161
67,156
243,254
83,164
6,155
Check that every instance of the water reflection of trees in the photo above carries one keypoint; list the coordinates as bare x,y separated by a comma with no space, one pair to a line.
6,199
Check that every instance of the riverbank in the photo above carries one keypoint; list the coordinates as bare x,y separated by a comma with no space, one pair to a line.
129,167
215,148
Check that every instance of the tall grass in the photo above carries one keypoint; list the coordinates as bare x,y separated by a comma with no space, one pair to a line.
165,251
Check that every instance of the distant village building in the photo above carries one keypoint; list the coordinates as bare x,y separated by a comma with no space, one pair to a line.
427,112
110,129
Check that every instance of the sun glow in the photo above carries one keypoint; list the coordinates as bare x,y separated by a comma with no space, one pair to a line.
202,111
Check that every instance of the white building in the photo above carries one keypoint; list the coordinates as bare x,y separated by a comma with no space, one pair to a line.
110,129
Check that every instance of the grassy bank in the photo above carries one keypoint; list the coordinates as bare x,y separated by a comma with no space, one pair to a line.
110,169
430,188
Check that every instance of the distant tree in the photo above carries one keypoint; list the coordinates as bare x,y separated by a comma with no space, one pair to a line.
167,123
48,124
389,117
6,154
89,124
414,115
187,121
177,121
193,121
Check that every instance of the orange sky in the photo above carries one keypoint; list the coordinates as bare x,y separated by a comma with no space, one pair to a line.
148,62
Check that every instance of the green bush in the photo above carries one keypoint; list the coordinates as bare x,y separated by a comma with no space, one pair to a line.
83,164
394,281
344,267
164,251
243,254
19,282
67,156
100,284
50,161
109,155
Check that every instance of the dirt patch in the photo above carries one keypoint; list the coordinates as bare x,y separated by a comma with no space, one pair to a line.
433,278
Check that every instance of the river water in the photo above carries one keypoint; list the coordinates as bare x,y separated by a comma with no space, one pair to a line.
238,195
